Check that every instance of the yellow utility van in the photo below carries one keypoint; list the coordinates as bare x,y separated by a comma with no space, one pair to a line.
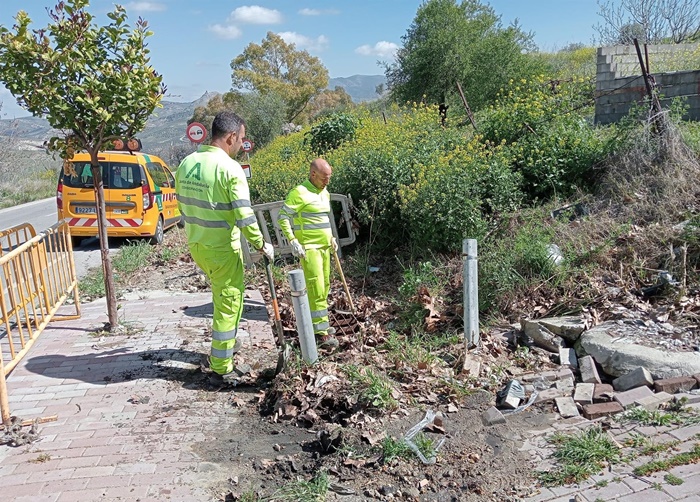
139,190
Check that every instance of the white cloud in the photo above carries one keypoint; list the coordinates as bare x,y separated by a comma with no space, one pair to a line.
225,32
382,49
304,42
254,14
318,12
145,6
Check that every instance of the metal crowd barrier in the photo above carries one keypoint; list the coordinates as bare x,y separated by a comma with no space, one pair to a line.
267,220
37,276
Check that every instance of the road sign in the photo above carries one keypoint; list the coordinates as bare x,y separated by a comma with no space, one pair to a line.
196,132
247,145
246,170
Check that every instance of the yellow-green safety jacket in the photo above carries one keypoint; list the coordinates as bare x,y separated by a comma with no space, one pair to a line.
213,196
305,216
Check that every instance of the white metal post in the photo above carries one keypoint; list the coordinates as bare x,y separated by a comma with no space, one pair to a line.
302,312
471,292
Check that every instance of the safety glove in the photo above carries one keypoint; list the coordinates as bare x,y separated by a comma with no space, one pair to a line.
334,245
268,250
298,249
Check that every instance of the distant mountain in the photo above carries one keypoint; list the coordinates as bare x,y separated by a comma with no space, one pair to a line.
360,87
167,124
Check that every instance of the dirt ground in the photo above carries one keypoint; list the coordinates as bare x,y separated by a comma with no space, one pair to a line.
283,432
311,420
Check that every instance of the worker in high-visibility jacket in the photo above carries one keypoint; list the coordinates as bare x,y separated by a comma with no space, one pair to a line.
305,221
213,196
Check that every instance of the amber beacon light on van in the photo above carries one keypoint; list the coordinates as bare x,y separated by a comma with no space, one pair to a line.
127,145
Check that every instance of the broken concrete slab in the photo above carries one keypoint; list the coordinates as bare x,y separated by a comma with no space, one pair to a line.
567,357
597,410
567,327
677,384
636,378
588,370
566,385
541,336
628,398
567,407
617,358
584,393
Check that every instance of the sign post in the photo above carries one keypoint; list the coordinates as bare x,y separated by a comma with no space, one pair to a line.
196,132
247,146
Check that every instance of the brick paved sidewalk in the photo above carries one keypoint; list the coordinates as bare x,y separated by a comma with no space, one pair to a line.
617,482
127,428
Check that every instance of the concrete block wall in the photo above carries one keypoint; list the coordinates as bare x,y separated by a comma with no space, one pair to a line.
619,82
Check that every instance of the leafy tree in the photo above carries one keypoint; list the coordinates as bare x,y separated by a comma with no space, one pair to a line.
277,67
92,82
650,21
327,102
463,42
264,113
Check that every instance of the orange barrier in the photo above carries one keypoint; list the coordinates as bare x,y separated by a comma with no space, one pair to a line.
38,275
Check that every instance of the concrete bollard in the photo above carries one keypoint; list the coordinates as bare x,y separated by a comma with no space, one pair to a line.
471,293
302,312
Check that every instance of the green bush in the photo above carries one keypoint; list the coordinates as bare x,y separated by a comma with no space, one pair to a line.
331,132
543,123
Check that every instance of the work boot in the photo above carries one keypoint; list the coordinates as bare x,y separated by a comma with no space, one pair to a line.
232,378
330,331
325,341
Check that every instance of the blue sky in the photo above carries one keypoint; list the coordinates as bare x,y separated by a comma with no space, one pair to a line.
195,41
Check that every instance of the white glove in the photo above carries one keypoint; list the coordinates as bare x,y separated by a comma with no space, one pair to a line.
298,249
334,245
268,250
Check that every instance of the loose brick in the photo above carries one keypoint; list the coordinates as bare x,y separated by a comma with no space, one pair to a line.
589,372
567,357
689,398
628,398
597,410
603,393
567,407
651,403
635,378
584,393
493,416
548,395
673,385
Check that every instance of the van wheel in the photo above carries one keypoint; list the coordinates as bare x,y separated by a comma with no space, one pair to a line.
158,236
76,241
181,222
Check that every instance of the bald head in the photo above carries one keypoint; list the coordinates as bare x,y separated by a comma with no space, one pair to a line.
320,173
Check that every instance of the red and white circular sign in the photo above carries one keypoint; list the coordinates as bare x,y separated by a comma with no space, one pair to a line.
196,132
247,145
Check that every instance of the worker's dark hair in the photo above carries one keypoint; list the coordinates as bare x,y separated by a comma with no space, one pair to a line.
225,123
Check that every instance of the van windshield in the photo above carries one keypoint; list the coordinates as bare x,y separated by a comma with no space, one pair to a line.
114,175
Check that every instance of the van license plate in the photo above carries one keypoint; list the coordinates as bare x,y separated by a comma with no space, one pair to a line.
85,210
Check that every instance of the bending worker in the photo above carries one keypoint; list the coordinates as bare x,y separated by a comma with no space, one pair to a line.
305,221
212,193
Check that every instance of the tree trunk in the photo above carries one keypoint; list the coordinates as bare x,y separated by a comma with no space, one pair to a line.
104,245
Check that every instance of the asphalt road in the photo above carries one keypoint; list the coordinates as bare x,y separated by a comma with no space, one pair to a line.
41,214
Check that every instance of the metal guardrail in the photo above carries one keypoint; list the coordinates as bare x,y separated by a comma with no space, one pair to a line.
267,219
37,275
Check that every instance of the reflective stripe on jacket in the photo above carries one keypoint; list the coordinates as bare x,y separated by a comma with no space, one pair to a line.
305,215
213,196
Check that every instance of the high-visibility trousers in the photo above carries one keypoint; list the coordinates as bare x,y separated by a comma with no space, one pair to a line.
224,267
317,269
